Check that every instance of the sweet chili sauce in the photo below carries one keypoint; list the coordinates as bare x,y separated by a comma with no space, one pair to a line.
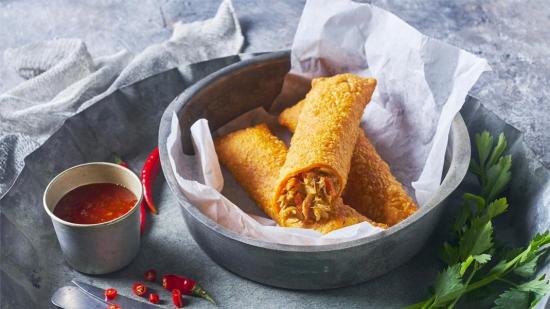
95,203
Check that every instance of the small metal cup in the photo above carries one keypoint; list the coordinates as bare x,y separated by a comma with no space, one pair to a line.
103,247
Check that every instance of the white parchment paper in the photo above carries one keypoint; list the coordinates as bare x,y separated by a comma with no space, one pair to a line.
422,84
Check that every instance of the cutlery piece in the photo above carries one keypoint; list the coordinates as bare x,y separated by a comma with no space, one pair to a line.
71,297
123,301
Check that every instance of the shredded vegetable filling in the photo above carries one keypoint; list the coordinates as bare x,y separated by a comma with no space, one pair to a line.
308,197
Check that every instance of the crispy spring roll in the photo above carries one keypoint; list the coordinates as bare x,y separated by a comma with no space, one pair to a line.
371,188
254,156
316,168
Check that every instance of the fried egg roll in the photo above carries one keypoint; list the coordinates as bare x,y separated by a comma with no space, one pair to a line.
371,188
255,156
317,164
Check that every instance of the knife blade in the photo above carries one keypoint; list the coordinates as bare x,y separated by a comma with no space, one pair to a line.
123,301
71,297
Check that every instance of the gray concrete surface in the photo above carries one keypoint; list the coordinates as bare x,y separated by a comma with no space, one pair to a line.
513,35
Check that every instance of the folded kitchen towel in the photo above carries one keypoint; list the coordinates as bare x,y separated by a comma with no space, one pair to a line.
64,79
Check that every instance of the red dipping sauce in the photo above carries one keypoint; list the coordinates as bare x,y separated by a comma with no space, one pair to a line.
95,203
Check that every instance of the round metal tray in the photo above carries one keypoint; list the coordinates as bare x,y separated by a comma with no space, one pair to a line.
238,88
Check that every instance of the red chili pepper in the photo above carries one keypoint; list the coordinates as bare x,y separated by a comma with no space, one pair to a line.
142,213
139,289
142,216
176,298
113,306
186,286
154,298
150,275
150,170
110,294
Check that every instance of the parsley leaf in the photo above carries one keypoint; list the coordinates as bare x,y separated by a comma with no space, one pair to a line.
512,299
496,208
477,239
525,295
473,262
481,259
498,177
529,267
447,282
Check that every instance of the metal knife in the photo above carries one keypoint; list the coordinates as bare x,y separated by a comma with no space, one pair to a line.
71,297
92,297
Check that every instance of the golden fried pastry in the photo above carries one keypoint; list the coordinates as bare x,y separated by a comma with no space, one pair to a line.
317,164
371,188
254,156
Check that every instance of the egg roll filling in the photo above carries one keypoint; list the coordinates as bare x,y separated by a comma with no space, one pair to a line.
308,196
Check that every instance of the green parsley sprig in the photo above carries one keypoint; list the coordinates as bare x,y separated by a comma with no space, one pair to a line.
474,263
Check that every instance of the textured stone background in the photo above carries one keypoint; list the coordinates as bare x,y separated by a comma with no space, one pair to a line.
513,35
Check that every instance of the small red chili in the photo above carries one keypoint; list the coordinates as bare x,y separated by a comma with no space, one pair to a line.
150,275
113,306
154,298
139,289
142,213
185,286
142,216
150,170
176,298
110,294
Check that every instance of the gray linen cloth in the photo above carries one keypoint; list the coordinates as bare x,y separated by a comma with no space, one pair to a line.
64,79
